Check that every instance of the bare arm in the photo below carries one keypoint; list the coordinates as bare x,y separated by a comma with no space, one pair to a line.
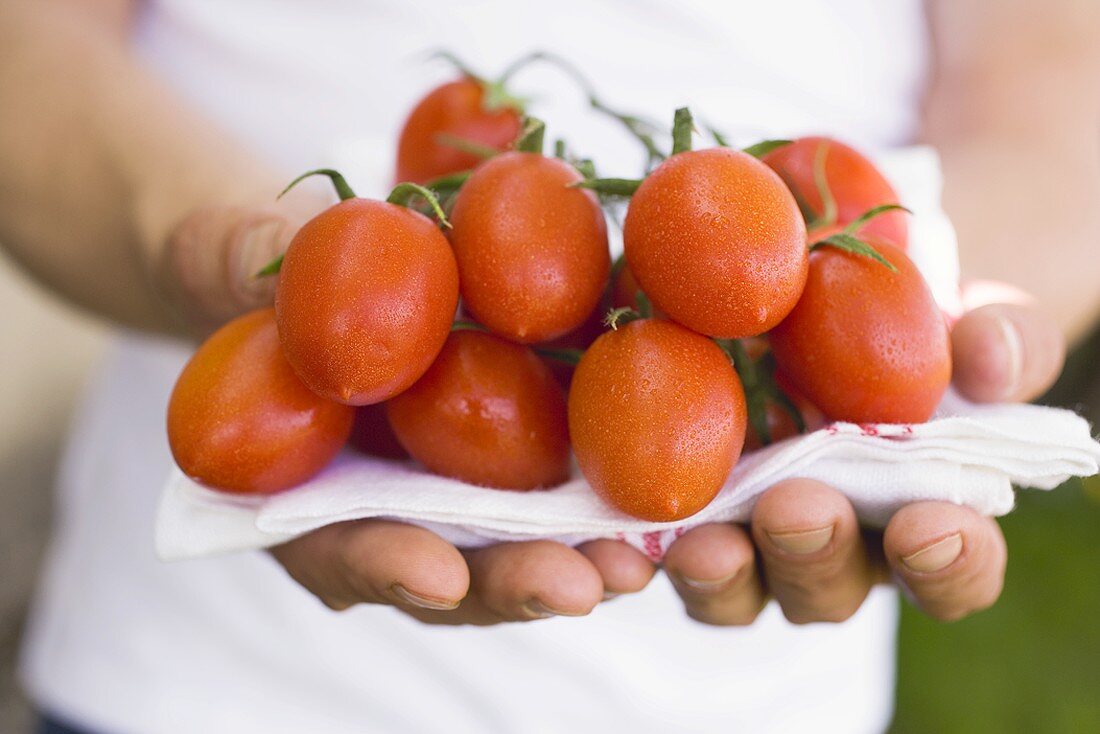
103,165
1014,108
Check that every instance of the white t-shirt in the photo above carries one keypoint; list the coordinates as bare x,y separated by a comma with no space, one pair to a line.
124,644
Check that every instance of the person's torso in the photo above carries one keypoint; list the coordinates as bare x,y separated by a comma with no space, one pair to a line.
231,644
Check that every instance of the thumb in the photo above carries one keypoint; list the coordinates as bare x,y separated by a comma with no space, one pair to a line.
212,257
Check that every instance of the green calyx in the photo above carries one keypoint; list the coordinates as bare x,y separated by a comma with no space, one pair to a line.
472,147
466,325
847,240
821,182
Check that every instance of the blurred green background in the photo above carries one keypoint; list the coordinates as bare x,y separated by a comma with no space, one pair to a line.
1032,662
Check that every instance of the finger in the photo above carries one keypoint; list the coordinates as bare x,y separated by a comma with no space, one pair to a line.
625,570
814,559
1006,352
213,258
377,562
530,580
713,570
950,558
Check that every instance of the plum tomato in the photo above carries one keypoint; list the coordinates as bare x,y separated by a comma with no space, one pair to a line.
366,296
865,344
657,419
456,109
717,242
372,435
240,420
487,412
532,250
855,184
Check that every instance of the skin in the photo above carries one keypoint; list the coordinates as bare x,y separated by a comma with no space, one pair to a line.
640,457
854,182
457,109
991,111
532,252
241,421
487,412
716,241
390,290
864,344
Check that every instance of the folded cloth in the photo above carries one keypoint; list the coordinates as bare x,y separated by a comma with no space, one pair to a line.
968,454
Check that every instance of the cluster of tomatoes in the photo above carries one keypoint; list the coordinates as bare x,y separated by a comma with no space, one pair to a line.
475,322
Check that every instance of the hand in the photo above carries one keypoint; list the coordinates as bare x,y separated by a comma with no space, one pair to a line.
416,571
206,267
813,558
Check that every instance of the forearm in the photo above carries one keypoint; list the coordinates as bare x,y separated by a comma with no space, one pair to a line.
100,162
1014,109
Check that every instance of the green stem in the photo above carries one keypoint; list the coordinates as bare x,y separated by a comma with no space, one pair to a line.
566,356
466,146
457,63
682,127
342,189
645,308
530,138
449,182
611,186
755,393
870,214
403,192
856,246
270,269
464,325
641,129
761,149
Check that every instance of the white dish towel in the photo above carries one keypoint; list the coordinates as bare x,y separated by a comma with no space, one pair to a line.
968,454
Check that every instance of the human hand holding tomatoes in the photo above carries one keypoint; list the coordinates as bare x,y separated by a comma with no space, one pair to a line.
804,547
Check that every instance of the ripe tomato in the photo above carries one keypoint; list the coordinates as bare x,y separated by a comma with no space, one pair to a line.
865,344
716,241
488,412
532,252
366,296
456,109
854,182
371,433
657,419
240,420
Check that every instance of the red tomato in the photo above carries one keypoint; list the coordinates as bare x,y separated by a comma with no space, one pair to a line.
456,109
371,433
488,412
716,241
240,420
855,183
865,344
532,252
366,296
657,419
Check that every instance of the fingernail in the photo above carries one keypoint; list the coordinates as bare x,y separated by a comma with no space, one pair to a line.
535,609
706,586
1014,355
439,605
803,542
937,556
